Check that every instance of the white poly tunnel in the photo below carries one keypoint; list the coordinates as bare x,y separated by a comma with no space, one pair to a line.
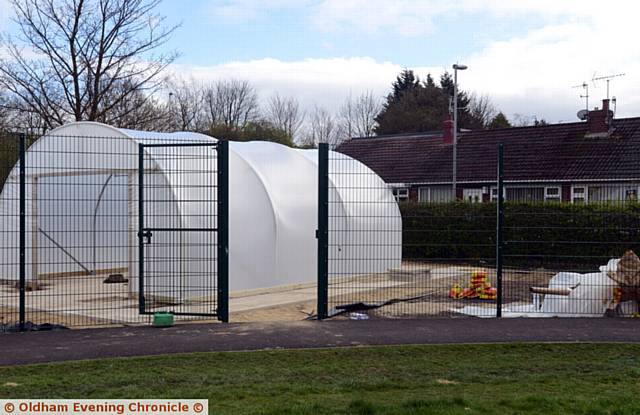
273,199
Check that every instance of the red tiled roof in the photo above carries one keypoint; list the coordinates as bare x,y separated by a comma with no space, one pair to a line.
546,153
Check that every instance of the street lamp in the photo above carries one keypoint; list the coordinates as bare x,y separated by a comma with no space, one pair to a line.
456,68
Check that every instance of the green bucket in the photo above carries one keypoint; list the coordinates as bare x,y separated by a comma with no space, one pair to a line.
162,319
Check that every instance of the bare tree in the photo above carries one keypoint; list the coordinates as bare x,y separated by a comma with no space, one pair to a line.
357,116
285,114
23,121
186,105
482,110
80,59
322,129
522,120
4,113
231,104
140,111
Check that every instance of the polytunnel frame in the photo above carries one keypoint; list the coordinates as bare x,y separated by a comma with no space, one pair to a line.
90,269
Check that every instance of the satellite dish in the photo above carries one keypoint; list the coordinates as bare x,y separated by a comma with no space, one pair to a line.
582,114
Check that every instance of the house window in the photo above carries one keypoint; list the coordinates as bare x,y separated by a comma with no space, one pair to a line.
494,194
612,193
578,194
435,194
631,194
603,193
441,194
472,195
423,194
525,194
401,194
552,194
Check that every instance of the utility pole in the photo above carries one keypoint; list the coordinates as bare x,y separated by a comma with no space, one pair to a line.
456,68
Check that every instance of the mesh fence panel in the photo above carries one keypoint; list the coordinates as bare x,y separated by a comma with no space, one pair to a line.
410,250
9,284
180,228
393,257
562,245
81,230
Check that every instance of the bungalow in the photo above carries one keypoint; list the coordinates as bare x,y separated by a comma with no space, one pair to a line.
590,161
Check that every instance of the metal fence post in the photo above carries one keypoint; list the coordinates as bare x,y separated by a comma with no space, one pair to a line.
141,302
322,234
500,230
22,269
223,231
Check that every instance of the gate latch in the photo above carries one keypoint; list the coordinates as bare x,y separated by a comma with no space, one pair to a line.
147,235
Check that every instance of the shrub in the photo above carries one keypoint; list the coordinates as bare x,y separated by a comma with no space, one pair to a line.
536,234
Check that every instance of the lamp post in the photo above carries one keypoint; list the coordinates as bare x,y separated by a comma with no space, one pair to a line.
456,68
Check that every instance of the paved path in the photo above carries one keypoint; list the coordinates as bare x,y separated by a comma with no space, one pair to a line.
36,347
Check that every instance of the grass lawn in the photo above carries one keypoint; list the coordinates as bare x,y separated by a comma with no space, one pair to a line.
492,379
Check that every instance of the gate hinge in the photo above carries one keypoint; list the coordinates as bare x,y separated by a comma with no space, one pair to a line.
147,235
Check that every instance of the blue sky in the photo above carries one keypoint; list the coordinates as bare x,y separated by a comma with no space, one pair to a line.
208,36
524,54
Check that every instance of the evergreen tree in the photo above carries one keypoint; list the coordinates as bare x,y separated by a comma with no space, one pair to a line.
405,83
415,106
446,83
499,121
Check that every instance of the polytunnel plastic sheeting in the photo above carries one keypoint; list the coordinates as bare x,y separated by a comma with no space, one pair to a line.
273,207
74,173
365,226
288,181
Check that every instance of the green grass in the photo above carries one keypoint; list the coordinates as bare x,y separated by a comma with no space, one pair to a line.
462,379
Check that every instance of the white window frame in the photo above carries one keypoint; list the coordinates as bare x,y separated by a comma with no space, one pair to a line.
401,198
584,194
494,197
557,197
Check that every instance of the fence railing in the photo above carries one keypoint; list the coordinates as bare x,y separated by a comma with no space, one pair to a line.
78,213
506,249
394,259
72,238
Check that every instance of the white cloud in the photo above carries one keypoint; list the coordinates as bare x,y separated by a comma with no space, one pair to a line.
372,16
421,17
529,75
533,74
413,17
326,82
243,11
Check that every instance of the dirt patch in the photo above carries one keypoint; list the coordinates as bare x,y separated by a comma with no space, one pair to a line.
428,296
10,315
446,382
287,312
416,290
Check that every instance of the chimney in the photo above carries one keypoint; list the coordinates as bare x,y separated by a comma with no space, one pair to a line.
447,131
599,121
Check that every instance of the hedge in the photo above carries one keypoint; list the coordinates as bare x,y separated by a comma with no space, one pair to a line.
536,234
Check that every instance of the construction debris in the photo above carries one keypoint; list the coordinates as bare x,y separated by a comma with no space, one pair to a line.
479,287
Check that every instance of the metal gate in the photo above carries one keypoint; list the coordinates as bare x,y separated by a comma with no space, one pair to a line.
183,229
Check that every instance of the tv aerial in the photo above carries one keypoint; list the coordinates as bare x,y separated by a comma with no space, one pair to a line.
584,86
607,78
